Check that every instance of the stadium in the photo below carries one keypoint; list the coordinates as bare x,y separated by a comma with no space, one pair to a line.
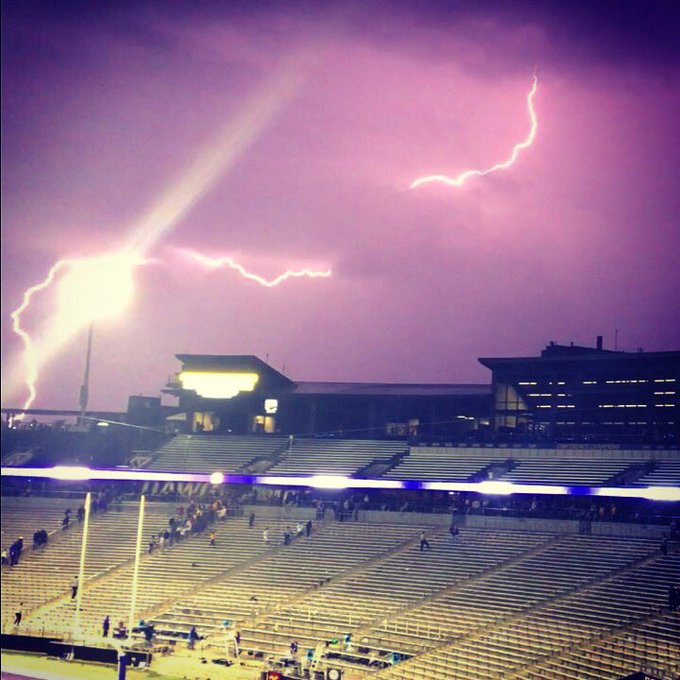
524,528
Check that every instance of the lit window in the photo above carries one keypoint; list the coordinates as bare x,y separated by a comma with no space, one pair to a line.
218,385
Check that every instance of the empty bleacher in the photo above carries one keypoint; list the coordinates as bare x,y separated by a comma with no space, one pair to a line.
210,453
331,456
329,553
584,471
667,473
446,464
401,579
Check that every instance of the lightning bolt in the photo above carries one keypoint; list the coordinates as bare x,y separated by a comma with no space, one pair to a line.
459,180
245,127
30,353
216,263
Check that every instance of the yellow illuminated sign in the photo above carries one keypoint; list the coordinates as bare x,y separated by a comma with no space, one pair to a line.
218,385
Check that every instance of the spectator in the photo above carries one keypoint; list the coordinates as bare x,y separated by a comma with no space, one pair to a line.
308,528
149,632
193,636
265,536
18,614
424,543
454,531
106,624
5,556
213,536
65,521
80,514
299,529
286,536
74,587
293,648
251,520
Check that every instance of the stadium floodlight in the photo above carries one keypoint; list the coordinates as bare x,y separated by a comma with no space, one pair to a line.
329,482
71,472
217,478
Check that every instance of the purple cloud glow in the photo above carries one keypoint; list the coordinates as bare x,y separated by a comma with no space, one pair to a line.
104,110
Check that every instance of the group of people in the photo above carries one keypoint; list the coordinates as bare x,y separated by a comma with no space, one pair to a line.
289,535
193,519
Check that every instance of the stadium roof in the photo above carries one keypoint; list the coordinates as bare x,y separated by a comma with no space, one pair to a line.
391,389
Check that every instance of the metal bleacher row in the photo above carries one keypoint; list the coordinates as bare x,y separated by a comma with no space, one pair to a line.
485,604
307,456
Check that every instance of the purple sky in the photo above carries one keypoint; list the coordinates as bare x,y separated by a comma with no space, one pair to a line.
104,109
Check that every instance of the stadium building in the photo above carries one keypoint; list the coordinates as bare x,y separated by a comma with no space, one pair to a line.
588,394
244,395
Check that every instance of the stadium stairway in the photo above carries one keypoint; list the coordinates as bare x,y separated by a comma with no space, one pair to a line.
517,639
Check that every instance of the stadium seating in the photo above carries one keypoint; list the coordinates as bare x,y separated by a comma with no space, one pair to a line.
442,464
22,517
208,453
331,551
329,456
667,473
553,605
47,573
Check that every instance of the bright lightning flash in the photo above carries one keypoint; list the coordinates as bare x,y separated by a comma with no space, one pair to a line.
89,289
99,287
216,263
459,180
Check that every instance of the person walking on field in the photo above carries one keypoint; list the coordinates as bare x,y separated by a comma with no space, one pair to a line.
424,543
106,624
18,614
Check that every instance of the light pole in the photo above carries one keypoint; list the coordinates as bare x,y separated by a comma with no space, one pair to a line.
85,387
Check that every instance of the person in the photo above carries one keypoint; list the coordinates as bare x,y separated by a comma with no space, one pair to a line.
664,546
213,536
673,597
308,528
121,631
74,587
18,614
454,531
193,636
293,648
251,520
424,543
5,556
300,529
149,632
265,536
237,638
106,624
80,514
286,536
65,521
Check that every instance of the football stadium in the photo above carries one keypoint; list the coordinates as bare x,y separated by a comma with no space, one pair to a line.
526,528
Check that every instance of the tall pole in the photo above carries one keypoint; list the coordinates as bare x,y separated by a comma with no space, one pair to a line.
85,387
135,572
81,571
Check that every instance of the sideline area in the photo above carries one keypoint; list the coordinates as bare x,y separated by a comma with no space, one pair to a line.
38,667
